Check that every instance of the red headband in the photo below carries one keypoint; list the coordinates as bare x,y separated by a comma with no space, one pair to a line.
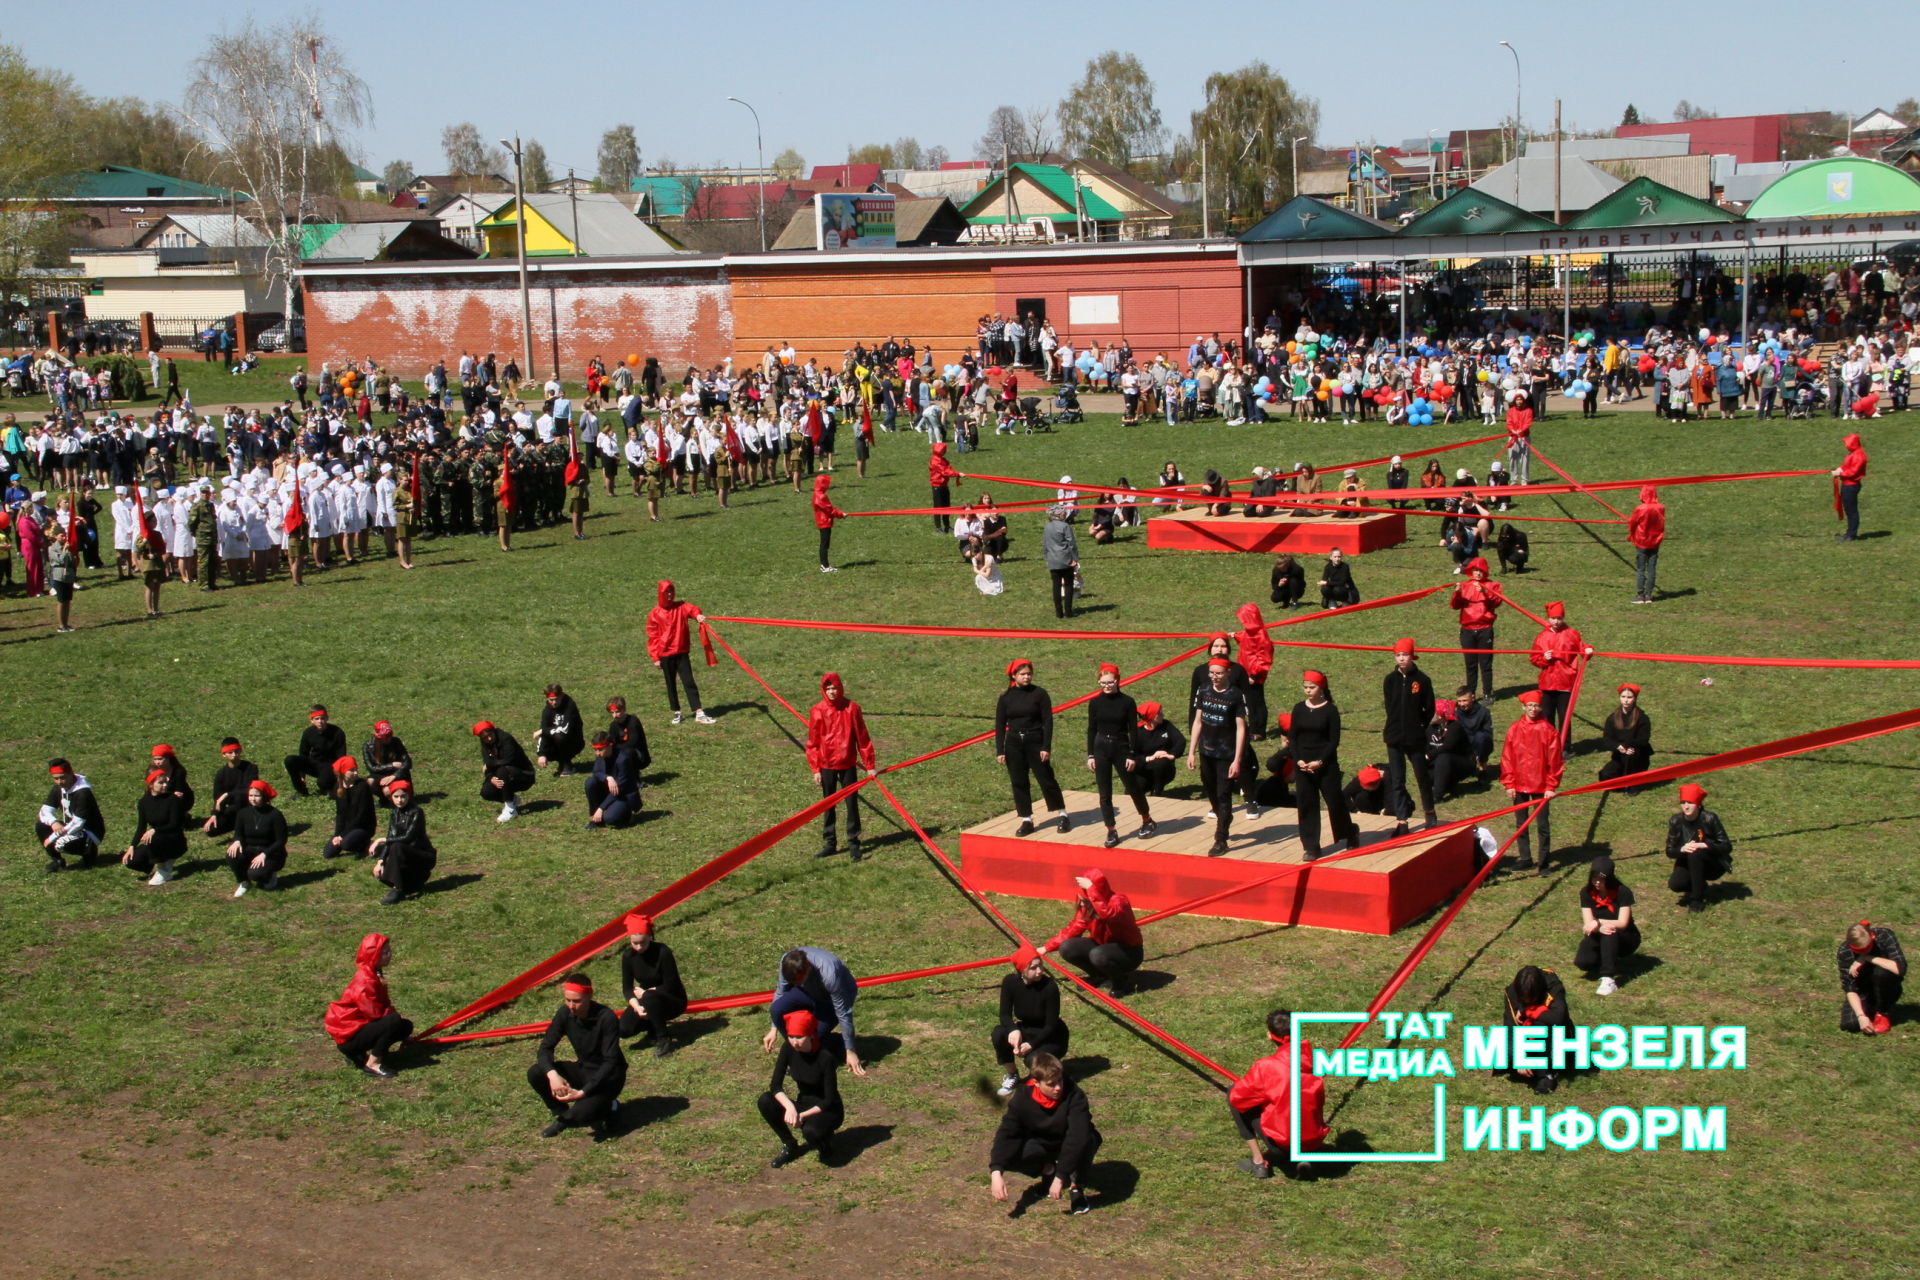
345,764
1404,645
1860,950
1317,677
60,770
1530,698
263,786
400,784
801,1023
161,750
1555,609
230,747
1107,667
382,729
637,922
481,727
577,988
155,776
1369,777
1623,688
1016,664
1692,793
316,713
1218,664
1285,721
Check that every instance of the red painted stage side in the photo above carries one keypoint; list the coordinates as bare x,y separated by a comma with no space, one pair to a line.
1312,536
1321,897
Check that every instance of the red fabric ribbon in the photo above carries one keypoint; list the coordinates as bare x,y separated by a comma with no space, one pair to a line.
506,492
1555,468
413,488
1532,490
571,476
708,635
296,517
1839,512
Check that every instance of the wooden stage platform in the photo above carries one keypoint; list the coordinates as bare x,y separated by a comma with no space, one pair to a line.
1310,535
1375,893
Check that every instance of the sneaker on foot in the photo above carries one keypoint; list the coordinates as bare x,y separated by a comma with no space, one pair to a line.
1253,809
273,881
1078,1202
676,718
554,1130
1113,837
786,1157
1607,987
1008,1083
701,717
1148,830
1254,1169
240,890
392,896
854,851
506,813
664,1049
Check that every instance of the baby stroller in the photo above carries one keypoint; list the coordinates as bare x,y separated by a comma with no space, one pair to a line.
1031,418
1805,399
1066,406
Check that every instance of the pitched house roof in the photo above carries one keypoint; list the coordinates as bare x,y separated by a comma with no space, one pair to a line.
1528,183
118,182
214,230
1073,199
607,228
1305,218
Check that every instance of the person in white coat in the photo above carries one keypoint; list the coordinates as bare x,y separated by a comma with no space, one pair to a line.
124,523
232,524
253,507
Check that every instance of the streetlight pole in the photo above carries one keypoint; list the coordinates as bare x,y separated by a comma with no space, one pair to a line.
1430,170
1508,46
760,161
520,254
1296,161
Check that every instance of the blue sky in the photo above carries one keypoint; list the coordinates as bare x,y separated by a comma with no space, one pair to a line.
1382,72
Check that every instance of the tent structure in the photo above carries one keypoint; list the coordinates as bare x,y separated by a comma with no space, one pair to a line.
1472,212
1305,218
1845,187
1646,203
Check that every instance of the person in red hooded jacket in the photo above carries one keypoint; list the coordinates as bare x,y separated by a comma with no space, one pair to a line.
1261,1103
824,514
939,472
1110,949
363,1022
1556,652
1646,530
1520,439
838,747
670,645
1256,656
1531,762
1478,601
1850,474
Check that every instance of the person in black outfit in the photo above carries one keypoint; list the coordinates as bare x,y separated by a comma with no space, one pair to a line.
1398,477
259,846
814,1103
1158,746
1314,742
651,979
1111,717
1276,788
1220,646
1029,1016
404,858
388,760
993,529
162,757
353,812
160,832
562,736
1449,754
613,788
1872,966
1408,694
1219,739
1289,582
69,822
1628,734
1536,998
1364,792
1699,847
1264,486
1023,742
1046,1131
504,767
587,1090
321,744
1337,587
1606,920
627,733
229,787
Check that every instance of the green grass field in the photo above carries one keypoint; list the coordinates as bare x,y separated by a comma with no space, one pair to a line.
183,1021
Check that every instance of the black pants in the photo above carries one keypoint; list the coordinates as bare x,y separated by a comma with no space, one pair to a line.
1217,787
1062,592
1692,871
353,842
942,497
1479,665
1309,790
1101,960
616,808
244,872
679,666
1110,757
1056,1044
405,868
1446,770
1623,766
1024,765
1036,1154
1247,1125
1398,801
832,780
1543,824
376,1037
78,845
299,769
1850,506
1879,991
1158,775
1602,951
591,1109
1288,593
1553,705
515,781
816,1129
826,539
1257,723
660,1010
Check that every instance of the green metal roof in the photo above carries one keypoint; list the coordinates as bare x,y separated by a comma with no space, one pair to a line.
1846,187
1471,212
1646,203
1305,218
669,193
1059,184
315,234
119,182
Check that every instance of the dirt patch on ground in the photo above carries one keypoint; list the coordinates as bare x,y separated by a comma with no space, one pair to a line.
89,1202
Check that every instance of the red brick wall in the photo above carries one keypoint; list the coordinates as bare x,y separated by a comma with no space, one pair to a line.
412,318
1163,302
825,307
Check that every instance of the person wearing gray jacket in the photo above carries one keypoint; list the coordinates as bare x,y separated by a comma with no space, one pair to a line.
1062,554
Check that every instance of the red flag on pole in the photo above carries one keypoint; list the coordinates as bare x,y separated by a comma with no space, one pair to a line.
148,533
73,521
506,477
866,422
296,517
572,476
